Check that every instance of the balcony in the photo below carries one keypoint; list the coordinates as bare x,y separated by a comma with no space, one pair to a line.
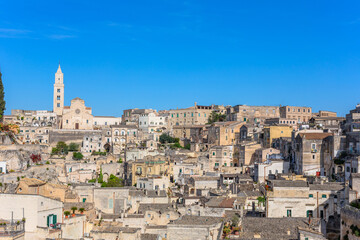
313,150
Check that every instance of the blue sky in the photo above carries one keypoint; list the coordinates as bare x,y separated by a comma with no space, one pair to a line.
166,54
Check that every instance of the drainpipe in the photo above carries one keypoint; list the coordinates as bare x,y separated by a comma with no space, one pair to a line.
114,202
317,203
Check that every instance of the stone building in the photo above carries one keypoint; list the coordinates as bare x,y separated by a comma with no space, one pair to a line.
34,134
221,156
41,214
224,133
77,116
274,132
131,116
244,154
150,166
105,121
350,216
121,135
38,187
301,199
308,153
196,115
152,122
251,114
301,114
195,227
93,142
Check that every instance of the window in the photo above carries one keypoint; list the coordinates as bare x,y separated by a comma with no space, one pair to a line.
309,213
213,153
323,196
167,216
216,164
311,196
58,97
58,90
58,105
288,213
110,203
313,146
313,156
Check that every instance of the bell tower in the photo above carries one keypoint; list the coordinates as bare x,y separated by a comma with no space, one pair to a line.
58,92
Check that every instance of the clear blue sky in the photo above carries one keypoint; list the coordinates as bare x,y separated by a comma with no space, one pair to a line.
166,54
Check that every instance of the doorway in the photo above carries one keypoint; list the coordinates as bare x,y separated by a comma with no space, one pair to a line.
76,125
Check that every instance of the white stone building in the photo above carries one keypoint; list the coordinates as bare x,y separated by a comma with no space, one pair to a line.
152,122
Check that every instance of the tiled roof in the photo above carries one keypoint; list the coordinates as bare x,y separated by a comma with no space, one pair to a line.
315,136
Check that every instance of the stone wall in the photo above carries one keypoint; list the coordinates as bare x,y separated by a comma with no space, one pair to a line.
68,136
349,217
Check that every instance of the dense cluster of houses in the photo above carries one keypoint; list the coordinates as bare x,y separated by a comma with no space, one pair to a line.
203,172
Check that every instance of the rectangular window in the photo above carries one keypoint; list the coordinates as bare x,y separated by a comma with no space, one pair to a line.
323,196
110,203
58,97
58,90
58,105
310,195
288,213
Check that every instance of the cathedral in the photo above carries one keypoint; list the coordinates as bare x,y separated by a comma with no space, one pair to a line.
74,117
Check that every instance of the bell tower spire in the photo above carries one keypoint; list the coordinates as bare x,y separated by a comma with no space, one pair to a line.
58,103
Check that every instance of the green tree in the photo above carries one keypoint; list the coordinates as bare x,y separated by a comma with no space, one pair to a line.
166,138
2,100
73,147
62,148
101,177
216,117
77,155
113,181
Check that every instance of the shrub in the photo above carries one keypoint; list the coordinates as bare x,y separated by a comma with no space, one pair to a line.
66,213
36,158
73,209
113,181
47,162
77,156
73,147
